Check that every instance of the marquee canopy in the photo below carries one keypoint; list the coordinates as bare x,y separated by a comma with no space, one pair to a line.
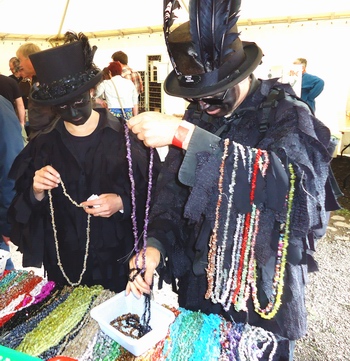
49,19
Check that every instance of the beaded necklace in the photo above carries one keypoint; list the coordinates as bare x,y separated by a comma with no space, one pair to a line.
281,259
234,282
143,327
214,238
243,259
49,332
133,200
59,262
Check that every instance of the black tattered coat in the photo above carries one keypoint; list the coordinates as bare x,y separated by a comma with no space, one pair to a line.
183,216
103,168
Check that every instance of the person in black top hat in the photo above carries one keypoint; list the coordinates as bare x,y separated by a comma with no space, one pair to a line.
245,182
73,204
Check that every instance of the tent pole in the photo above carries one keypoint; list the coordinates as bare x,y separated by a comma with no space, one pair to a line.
63,18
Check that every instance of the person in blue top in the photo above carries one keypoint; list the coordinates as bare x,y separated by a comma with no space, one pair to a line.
11,143
311,85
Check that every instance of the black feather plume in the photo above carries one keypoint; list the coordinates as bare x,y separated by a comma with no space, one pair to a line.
89,51
210,24
169,17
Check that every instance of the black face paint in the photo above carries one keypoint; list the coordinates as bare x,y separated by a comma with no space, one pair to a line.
77,111
227,106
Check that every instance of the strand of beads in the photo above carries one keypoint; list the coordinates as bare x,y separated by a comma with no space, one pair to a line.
232,279
26,295
207,345
105,349
88,353
23,300
183,334
59,262
15,337
231,334
26,282
75,348
61,321
243,260
8,278
214,237
262,163
278,282
255,342
45,291
146,317
222,282
133,198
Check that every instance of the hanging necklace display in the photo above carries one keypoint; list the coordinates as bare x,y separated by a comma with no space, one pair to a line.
235,281
59,262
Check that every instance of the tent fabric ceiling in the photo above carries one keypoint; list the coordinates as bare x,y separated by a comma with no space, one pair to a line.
43,19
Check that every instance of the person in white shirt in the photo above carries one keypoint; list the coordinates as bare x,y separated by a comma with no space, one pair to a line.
120,94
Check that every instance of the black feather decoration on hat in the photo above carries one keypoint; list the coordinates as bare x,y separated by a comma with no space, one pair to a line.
88,51
169,18
211,23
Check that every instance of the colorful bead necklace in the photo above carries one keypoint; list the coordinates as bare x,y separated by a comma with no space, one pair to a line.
281,259
68,314
234,282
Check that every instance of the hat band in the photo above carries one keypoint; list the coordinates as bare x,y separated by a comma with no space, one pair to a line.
62,87
213,77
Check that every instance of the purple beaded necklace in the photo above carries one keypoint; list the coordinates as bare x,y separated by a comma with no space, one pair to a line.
146,317
137,242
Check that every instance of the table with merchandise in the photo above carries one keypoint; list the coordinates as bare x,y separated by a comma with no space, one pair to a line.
39,321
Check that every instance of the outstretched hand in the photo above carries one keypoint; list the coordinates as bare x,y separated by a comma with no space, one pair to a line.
154,129
142,283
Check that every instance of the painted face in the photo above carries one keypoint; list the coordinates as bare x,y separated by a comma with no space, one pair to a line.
77,111
223,103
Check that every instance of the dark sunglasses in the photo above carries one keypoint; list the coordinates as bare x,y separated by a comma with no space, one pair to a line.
211,101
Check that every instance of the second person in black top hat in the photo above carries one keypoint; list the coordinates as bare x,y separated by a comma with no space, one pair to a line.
79,241
244,184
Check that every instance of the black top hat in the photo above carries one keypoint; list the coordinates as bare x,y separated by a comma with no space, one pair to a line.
206,52
64,72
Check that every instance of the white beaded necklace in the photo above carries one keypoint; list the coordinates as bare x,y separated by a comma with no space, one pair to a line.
56,240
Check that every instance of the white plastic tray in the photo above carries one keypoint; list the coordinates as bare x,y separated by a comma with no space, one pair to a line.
120,305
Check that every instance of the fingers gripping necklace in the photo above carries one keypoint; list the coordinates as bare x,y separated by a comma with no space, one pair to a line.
59,262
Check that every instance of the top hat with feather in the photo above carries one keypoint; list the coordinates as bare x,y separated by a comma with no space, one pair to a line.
206,52
64,72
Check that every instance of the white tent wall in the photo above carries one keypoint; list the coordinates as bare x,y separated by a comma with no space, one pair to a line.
322,43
